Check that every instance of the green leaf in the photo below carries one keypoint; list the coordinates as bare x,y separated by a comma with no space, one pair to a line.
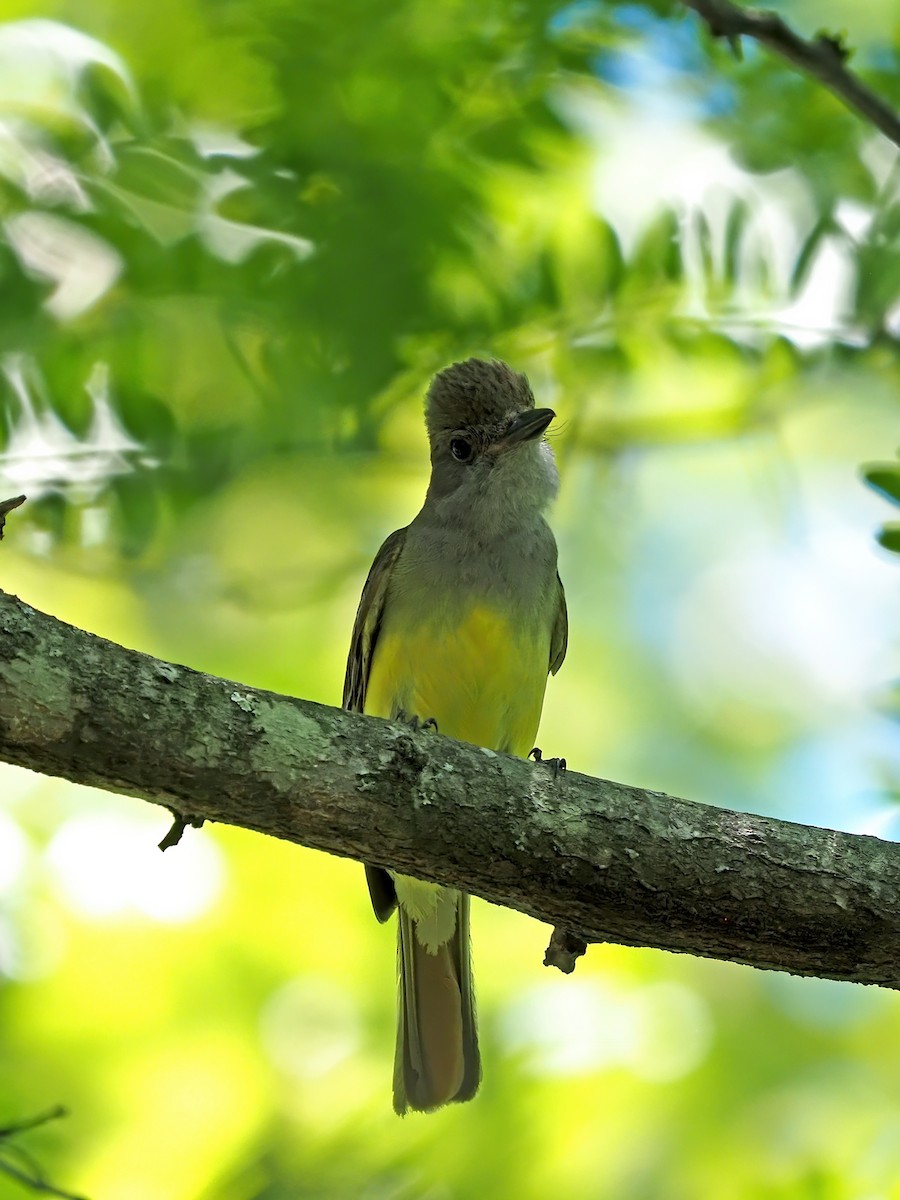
810,248
658,252
138,510
889,537
735,230
885,479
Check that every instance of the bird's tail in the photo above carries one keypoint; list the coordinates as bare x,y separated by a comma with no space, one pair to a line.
437,1059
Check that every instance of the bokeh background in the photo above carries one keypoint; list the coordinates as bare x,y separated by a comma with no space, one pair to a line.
236,239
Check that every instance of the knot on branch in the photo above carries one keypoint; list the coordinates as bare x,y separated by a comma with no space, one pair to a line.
835,44
564,950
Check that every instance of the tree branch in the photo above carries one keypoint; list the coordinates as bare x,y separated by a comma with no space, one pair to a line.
823,57
609,862
6,507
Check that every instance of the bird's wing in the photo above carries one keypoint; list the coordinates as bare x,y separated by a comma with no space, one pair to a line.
367,625
559,639
366,629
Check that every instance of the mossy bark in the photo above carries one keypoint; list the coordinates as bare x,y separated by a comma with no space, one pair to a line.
606,861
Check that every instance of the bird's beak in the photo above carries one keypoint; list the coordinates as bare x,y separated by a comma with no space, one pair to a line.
527,425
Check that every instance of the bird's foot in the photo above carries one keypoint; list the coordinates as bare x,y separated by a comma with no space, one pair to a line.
556,765
414,721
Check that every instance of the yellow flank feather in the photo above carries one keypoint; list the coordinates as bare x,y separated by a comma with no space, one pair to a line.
481,679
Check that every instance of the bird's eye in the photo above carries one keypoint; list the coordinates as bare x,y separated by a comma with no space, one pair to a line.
461,449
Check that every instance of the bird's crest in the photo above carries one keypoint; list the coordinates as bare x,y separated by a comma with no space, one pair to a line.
474,393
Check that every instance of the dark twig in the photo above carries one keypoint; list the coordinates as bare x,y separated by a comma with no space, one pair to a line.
6,506
36,1183
179,825
824,57
30,1175
52,1114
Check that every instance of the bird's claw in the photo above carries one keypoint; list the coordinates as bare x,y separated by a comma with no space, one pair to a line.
556,765
414,721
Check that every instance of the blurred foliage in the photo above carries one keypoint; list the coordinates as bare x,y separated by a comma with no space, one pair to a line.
270,238
885,479
235,241
18,1164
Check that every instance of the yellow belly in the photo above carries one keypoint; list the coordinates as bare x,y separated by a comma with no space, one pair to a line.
480,679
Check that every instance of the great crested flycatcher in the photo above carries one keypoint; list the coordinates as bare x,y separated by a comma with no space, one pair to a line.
461,619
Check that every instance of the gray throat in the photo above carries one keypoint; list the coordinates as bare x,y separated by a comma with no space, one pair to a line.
446,563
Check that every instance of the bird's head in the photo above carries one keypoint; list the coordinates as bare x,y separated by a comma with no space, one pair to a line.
490,464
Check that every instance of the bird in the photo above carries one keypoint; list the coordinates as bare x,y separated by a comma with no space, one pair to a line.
461,619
